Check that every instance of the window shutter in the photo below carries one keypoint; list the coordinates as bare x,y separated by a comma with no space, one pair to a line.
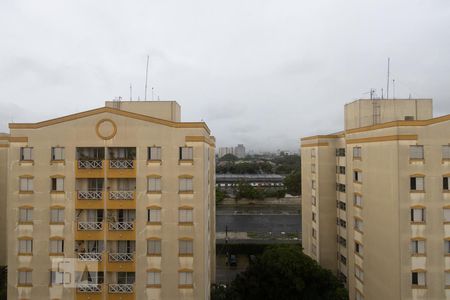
419,183
421,247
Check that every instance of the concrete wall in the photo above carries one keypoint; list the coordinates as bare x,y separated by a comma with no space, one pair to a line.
167,110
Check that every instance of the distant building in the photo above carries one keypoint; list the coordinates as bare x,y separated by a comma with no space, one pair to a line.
239,151
225,150
229,181
376,200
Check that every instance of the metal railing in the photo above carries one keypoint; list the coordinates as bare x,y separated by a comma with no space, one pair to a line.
90,225
121,225
89,287
121,195
121,164
90,164
121,257
118,288
90,195
90,256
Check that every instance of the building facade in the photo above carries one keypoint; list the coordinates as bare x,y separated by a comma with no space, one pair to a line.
225,150
376,200
112,203
239,151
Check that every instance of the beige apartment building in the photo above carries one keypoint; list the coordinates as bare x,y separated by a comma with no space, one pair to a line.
376,200
112,203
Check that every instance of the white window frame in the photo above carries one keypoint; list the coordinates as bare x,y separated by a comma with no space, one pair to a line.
154,184
186,247
185,278
185,215
26,153
25,246
57,215
57,184
57,153
154,215
418,247
416,152
446,215
421,278
419,183
56,246
56,278
417,214
446,152
186,184
26,184
154,153
186,153
154,247
24,278
25,214
357,152
153,277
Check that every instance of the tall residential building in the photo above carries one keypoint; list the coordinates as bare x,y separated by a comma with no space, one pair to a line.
112,203
376,200
239,151
4,140
225,150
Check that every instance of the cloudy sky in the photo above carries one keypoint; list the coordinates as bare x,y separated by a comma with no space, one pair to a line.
259,72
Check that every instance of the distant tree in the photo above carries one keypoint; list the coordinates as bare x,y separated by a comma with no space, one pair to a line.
220,195
229,157
283,272
244,190
293,183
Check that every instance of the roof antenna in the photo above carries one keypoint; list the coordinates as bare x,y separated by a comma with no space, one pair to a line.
131,92
153,94
393,88
387,88
146,80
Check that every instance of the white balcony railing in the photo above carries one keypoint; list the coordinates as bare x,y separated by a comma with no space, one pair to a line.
89,287
114,257
121,164
90,164
90,225
90,256
121,225
121,195
90,195
118,288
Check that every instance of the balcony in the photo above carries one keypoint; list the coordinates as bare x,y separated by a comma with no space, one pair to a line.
89,231
92,261
89,200
122,200
90,168
121,231
121,262
121,168
120,288
90,256
89,288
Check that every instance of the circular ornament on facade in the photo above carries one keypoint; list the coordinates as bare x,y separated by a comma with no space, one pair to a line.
106,129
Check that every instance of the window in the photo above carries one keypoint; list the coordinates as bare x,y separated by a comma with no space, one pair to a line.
446,215
356,152
154,184
58,184
340,152
340,170
26,153
340,187
24,278
342,241
357,200
359,225
185,247
25,214
445,183
359,273
185,184
313,184
314,233
417,246
342,223
359,249
154,247
313,200
154,215
447,247
313,217
446,152
418,215
25,246
56,246
313,168
26,184
342,205
185,278
154,278
56,278
186,153
418,278
126,277
357,176
313,153
185,215
417,183
154,153
447,279
416,152
57,215
343,259
57,153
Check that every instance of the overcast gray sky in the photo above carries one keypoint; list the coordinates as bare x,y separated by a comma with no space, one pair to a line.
259,72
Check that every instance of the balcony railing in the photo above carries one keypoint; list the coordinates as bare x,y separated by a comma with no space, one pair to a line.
121,164
90,195
89,287
90,164
90,256
90,225
121,195
121,225
115,257
118,288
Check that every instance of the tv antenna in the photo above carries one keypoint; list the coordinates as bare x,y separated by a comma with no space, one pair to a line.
387,87
146,79
131,92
